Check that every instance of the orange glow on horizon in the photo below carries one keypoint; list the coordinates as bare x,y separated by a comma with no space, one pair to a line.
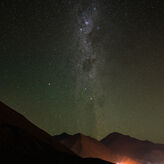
127,161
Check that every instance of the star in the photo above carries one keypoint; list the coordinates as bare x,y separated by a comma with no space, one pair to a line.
86,22
91,98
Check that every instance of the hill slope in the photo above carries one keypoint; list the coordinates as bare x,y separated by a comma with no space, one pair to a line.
86,146
134,148
21,142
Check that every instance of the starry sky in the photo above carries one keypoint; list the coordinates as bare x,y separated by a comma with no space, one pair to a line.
89,66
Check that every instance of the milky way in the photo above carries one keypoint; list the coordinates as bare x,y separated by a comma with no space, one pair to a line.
88,86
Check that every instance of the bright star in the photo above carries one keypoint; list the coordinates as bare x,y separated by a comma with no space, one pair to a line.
86,22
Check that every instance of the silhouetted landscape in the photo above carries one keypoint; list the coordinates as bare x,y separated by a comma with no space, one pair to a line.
23,142
81,82
115,147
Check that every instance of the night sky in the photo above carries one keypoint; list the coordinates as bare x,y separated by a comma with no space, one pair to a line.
89,66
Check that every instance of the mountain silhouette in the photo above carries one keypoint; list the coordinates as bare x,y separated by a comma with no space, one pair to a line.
62,136
125,145
21,142
86,146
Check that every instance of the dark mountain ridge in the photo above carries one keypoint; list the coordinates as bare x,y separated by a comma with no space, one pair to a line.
62,136
87,147
21,142
134,148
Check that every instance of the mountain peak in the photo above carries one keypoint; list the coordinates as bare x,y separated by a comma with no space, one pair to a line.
115,136
121,137
62,136
86,146
79,135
